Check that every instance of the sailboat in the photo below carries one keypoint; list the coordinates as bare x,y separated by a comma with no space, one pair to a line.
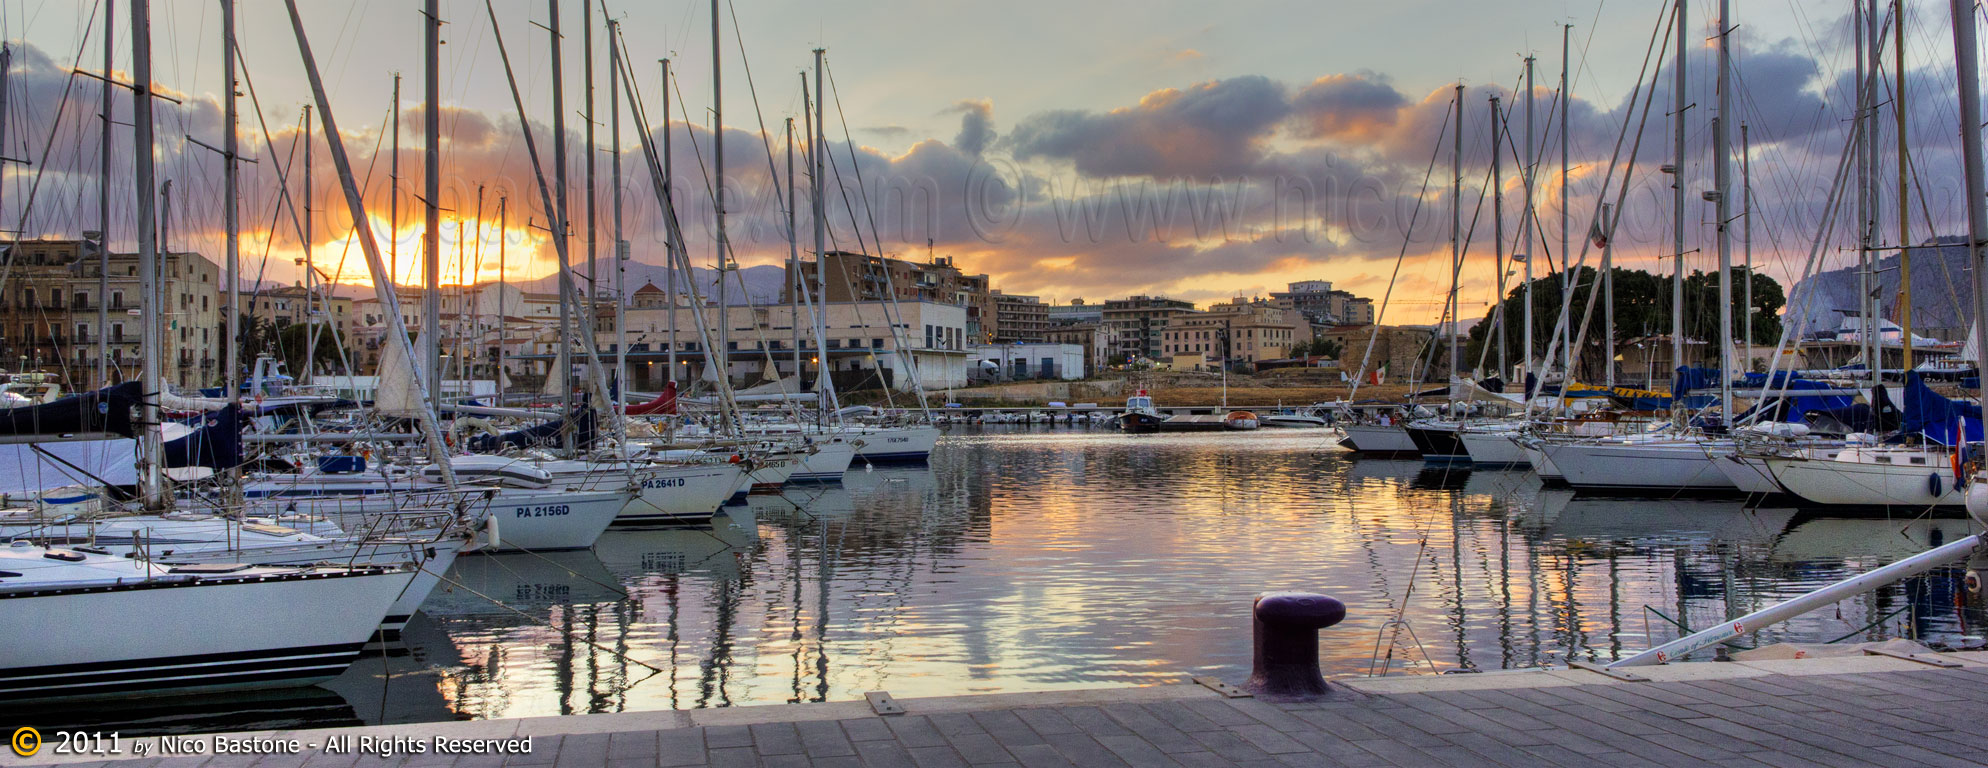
1676,457
237,624
1920,466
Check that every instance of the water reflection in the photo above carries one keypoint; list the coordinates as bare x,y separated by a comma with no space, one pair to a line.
1029,559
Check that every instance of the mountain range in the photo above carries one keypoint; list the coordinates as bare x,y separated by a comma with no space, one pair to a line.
1942,297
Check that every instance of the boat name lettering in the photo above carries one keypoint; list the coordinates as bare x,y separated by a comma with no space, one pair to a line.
544,510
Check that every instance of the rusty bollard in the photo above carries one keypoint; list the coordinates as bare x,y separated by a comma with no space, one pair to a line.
1286,662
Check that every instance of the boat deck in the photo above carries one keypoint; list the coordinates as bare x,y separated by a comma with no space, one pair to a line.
1835,712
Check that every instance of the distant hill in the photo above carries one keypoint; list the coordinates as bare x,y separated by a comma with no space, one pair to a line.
1941,295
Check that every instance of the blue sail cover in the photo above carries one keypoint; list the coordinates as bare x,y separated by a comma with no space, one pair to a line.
1794,408
1938,418
105,410
1688,379
542,435
216,441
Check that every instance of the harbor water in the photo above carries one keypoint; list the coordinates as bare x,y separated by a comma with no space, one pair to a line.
1036,558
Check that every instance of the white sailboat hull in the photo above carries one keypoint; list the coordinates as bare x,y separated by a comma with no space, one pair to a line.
1648,466
826,465
181,541
674,494
1376,438
1493,449
146,638
772,471
1541,464
890,444
1859,484
1748,473
527,519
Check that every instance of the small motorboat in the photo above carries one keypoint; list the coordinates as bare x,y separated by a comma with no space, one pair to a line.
1139,414
1292,421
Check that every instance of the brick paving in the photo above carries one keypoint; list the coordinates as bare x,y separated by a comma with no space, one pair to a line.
1847,712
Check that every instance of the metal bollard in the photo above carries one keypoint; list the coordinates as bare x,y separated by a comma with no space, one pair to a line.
1286,661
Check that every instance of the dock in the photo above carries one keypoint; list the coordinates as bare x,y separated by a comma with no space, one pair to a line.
1847,711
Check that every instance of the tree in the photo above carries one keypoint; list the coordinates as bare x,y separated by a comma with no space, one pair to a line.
292,344
1327,348
1642,309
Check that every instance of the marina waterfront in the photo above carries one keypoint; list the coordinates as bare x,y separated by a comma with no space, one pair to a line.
1046,558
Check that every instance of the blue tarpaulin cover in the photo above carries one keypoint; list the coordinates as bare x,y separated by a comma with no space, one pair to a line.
1938,418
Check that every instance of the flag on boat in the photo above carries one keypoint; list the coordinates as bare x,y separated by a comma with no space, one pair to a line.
1595,233
1378,376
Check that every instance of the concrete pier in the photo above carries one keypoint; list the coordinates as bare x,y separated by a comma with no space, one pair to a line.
1856,711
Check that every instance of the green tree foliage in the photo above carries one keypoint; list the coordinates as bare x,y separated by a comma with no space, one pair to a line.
1642,309
292,344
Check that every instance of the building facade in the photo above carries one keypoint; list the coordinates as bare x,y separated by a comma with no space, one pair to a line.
1140,322
48,315
1099,341
1235,335
1016,362
1019,319
930,339
1322,304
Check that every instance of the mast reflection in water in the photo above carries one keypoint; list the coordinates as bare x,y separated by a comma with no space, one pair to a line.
1040,558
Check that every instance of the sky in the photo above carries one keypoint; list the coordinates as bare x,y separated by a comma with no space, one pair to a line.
1069,150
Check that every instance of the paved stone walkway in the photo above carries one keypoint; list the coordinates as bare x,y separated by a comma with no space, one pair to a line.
1829,712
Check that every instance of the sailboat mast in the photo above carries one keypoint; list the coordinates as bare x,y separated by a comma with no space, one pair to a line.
561,225
1525,221
310,269
620,242
1608,294
587,115
1866,280
1904,196
817,136
393,198
1566,253
1967,69
431,235
103,207
1721,182
793,262
503,283
231,192
669,271
1681,102
1746,239
150,448
1498,224
1456,239
722,355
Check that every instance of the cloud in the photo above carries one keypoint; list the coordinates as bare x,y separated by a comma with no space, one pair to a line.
976,126
888,132
1209,129
1189,190
1346,108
